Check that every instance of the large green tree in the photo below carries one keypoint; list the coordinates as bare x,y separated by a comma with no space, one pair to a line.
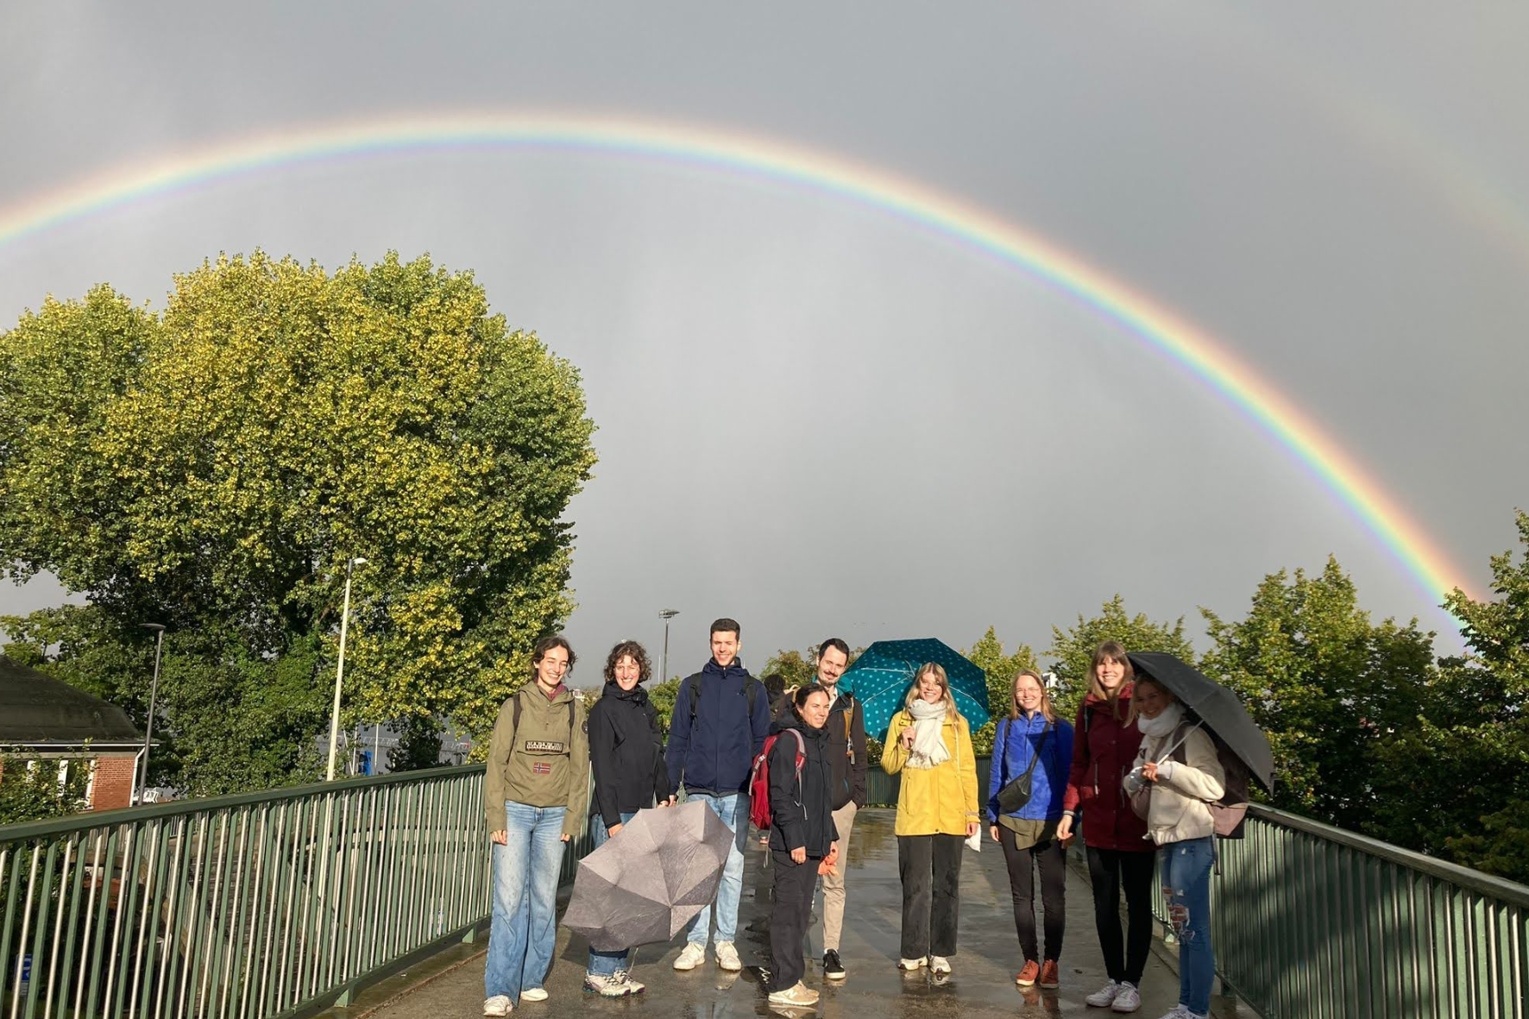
213,467
1457,782
1073,649
1326,684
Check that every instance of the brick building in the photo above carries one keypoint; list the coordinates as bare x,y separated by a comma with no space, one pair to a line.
50,724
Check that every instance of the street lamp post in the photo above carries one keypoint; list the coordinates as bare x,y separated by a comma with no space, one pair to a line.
148,729
339,669
667,615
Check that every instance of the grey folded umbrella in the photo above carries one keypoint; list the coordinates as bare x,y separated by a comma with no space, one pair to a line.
648,882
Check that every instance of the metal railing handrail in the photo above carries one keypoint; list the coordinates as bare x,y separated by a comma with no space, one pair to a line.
1487,884
177,808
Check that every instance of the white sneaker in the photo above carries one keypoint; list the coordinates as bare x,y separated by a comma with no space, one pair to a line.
1127,998
909,965
1179,1012
1104,997
799,995
616,985
693,955
939,965
534,994
498,1005
727,957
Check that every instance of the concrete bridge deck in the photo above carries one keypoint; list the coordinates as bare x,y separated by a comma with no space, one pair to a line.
982,986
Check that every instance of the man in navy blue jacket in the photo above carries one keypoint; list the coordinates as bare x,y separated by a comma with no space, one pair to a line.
721,718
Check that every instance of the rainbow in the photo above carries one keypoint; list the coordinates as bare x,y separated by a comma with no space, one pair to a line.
1160,328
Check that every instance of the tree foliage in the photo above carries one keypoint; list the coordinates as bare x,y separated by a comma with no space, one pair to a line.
30,790
796,668
419,745
1456,783
1326,685
213,467
1073,649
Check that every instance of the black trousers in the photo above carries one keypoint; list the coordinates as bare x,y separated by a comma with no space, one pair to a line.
930,868
1112,870
1052,861
794,885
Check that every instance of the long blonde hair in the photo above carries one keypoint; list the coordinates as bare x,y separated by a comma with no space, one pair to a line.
1110,651
1047,711
936,670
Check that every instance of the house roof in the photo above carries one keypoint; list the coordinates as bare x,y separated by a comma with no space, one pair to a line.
36,709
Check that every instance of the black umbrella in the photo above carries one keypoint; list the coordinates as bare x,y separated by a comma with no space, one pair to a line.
1217,707
651,879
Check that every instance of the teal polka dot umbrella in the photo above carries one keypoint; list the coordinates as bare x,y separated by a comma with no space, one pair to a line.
880,677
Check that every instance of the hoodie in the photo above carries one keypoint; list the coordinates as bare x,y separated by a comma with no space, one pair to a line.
626,753
801,815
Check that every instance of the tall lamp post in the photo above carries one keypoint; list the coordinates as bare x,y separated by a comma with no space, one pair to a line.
339,669
148,729
666,614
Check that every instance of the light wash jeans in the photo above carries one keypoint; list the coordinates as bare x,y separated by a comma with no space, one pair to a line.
1186,887
523,929
603,964
733,809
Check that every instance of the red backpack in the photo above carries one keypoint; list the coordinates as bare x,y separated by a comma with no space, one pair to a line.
759,778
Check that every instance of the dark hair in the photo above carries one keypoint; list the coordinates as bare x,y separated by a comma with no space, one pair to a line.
804,692
633,650
836,643
775,685
547,644
726,625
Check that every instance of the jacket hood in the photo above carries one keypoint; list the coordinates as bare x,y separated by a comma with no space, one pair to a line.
800,724
636,695
711,668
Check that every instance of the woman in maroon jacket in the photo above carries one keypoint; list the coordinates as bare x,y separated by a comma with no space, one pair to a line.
1120,855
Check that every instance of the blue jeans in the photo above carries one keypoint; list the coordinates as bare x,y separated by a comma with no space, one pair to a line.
1186,887
523,927
603,964
733,809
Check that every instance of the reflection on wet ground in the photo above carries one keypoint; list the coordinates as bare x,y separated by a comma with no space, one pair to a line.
981,986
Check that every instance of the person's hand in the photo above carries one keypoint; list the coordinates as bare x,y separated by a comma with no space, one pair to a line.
500,837
799,854
615,830
971,828
907,737
1064,829
668,803
1149,771
567,838
993,831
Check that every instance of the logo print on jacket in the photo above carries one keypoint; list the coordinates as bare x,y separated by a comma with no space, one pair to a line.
546,746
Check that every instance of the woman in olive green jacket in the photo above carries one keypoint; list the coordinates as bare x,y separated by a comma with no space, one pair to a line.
930,744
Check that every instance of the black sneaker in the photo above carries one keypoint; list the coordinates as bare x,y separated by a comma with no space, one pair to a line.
833,969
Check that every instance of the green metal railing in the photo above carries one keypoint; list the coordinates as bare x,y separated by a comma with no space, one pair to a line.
264,904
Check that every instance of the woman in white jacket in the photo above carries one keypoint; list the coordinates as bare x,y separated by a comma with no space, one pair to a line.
1183,778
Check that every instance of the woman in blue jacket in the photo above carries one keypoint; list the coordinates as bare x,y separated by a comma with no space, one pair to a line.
1032,739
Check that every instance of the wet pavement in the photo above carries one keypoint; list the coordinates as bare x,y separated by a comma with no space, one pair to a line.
981,986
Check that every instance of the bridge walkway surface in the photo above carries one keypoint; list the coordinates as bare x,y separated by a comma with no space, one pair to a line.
450,986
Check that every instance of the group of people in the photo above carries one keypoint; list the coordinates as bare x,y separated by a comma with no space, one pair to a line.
1130,768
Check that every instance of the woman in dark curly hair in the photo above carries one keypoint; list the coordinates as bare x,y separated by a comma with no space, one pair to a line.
626,752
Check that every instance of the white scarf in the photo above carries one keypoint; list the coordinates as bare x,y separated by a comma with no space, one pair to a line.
1163,725
929,747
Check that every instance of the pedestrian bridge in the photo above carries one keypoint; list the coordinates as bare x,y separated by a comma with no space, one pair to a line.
370,895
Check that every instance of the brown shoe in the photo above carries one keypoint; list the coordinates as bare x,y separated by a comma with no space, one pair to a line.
1027,974
1051,976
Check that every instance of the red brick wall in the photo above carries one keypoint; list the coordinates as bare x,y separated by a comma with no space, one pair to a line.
114,782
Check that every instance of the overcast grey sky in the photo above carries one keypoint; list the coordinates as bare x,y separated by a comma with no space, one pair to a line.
820,418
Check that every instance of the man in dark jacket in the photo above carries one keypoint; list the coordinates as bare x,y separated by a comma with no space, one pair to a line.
721,718
847,757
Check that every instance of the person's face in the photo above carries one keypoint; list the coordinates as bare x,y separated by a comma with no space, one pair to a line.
1110,674
724,647
628,672
553,667
929,689
815,711
1151,699
1028,694
831,664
